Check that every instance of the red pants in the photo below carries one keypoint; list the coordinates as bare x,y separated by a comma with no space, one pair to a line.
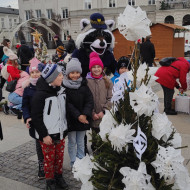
53,158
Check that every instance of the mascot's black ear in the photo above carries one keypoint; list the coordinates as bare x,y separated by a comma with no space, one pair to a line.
83,23
110,24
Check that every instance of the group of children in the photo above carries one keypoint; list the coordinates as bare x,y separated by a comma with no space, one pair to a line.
54,106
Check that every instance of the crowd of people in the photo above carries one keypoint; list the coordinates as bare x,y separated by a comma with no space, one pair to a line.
56,99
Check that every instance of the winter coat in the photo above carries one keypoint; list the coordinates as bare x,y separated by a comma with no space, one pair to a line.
13,71
23,77
1,53
116,76
79,102
107,58
168,75
102,97
70,46
147,52
48,111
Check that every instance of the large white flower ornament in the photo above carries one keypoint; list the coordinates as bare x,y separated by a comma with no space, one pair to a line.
143,100
120,136
136,179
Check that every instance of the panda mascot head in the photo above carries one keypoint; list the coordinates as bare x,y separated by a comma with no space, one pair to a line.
96,34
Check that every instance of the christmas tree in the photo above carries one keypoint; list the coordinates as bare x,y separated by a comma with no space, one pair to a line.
137,147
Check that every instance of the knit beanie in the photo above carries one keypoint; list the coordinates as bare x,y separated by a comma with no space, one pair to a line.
33,64
60,49
50,72
73,65
123,62
95,60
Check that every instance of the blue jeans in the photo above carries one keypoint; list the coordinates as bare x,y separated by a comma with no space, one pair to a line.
76,138
15,99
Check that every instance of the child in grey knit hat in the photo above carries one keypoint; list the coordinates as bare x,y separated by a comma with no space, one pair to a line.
79,101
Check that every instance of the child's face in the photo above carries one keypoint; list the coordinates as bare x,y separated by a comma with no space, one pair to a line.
58,53
122,70
74,75
96,70
35,74
58,81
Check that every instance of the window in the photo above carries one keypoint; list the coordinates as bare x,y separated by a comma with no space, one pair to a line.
2,22
10,23
15,22
49,13
49,37
151,2
65,13
28,37
112,3
88,4
131,2
38,13
66,34
28,15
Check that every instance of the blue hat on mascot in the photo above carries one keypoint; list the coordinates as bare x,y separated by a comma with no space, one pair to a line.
97,21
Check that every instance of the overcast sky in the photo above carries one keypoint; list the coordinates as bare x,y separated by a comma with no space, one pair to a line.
12,3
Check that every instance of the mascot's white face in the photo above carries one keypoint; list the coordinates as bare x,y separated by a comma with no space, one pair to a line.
97,40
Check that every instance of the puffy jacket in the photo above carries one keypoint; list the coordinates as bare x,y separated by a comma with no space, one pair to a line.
167,75
49,111
23,77
79,102
13,71
101,95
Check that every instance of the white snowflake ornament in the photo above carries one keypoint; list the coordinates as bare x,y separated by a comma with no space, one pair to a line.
168,162
143,100
120,136
136,179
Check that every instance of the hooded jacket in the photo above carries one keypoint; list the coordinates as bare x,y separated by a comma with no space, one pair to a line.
48,111
167,75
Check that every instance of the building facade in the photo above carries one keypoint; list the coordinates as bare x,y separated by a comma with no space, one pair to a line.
68,13
9,19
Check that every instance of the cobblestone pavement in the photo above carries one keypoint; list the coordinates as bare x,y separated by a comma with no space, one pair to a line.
15,165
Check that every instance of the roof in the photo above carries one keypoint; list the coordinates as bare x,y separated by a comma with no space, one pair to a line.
9,11
174,26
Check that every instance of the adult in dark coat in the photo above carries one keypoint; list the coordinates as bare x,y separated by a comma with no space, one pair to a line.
25,54
70,46
147,51
57,41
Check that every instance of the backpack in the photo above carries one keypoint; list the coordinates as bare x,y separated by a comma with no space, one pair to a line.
167,61
4,72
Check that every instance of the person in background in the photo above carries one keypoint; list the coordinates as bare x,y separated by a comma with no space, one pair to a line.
57,41
49,120
167,76
29,91
24,54
79,108
70,46
147,52
101,88
123,65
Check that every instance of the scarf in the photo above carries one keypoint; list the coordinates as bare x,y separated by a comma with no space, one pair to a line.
33,81
90,76
73,84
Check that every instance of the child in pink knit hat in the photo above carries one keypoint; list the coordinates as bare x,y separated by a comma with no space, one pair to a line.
101,88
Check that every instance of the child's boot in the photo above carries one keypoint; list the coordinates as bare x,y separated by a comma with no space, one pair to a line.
50,184
41,174
60,181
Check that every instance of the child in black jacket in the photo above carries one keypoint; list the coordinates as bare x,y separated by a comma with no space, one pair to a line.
79,108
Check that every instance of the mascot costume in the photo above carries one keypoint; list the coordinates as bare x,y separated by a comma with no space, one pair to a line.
96,36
